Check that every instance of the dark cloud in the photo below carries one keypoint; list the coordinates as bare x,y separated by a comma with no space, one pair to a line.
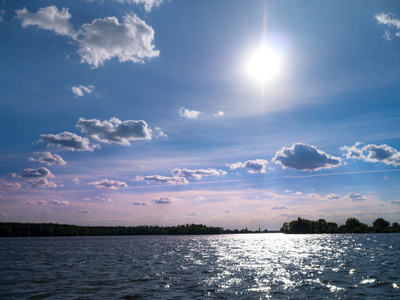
355,197
36,173
115,131
163,200
279,207
67,141
139,203
41,183
305,158
57,202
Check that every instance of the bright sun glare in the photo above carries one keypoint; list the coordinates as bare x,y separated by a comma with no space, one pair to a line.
264,64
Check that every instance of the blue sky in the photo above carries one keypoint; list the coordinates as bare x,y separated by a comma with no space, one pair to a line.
143,112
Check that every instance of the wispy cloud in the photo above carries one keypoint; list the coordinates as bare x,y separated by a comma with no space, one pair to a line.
389,20
197,173
189,114
162,179
81,90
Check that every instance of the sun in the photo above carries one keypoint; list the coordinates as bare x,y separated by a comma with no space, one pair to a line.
264,64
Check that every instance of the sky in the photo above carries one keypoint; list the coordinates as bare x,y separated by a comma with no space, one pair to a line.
225,113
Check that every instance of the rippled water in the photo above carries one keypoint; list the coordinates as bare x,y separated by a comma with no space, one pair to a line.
251,266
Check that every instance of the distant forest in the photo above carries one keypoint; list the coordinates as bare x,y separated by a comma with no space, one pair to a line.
352,225
50,229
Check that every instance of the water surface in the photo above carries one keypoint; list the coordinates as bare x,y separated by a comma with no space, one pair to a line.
245,266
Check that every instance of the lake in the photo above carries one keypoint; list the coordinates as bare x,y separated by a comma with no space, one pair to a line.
245,266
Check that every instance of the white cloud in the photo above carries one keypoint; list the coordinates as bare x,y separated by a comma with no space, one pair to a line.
81,90
389,20
68,141
163,200
57,202
115,131
373,153
198,173
219,114
12,185
109,184
189,114
49,159
39,172
162,179
41,183
76,180
101,40
252,166
49,18
305,157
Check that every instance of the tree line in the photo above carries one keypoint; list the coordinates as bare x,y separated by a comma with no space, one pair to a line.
352,225
51,229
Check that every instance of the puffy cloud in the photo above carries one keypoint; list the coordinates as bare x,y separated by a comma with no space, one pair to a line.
81,90
41,183
49,159
332,197
115,131
83,211
305,157
76,180
163,200
219,114
49,18
139,203
389,20
39,172
252,166
106,38
12,185
355,197
198,173
279,207
67,141
101,40
189,114
109,184
162,179
373,153
57,202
